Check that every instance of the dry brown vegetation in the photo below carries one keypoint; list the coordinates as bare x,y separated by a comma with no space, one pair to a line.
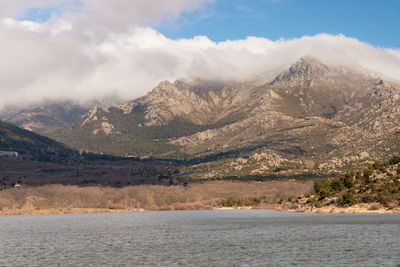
72,199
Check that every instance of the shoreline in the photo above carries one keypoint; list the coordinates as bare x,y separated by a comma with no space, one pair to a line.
60,199
61,211
357,209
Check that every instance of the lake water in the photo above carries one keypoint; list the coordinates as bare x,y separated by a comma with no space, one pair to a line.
201,238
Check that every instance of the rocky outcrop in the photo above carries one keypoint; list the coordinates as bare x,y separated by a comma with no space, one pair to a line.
306,69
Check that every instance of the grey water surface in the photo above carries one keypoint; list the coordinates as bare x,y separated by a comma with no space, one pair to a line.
201,238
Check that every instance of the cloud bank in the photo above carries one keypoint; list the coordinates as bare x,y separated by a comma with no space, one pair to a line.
88,52
102,14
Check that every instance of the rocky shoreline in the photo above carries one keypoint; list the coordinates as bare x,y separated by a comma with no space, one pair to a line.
358,208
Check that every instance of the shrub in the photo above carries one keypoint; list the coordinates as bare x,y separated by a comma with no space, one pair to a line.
394,160
367,174
347,199
368,198
348,180
324,193
322,188
233,202
372,187
337,185
384,199
256,200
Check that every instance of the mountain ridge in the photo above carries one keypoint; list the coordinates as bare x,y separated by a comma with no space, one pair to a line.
310,118
45,116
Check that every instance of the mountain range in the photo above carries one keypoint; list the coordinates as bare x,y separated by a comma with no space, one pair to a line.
310,119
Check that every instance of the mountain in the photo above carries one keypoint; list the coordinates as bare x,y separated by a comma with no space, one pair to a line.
45,116
310,119
48,115
147,125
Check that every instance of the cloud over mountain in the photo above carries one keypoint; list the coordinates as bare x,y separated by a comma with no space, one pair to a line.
98,48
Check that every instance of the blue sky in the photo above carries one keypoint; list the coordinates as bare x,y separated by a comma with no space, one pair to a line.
372,21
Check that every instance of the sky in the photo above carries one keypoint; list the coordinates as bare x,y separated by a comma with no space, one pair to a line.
93,49
372,21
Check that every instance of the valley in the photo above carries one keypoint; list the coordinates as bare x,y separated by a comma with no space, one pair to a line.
39,161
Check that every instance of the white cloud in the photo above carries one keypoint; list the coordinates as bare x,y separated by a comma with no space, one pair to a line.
58,60
124,12
18,7
104,15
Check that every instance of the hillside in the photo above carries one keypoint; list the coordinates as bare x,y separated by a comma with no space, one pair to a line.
42,161
31,145
375,187
310,119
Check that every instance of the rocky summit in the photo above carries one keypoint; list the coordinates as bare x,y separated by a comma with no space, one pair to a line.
310,119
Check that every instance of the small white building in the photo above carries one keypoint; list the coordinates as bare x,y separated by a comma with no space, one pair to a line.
7,154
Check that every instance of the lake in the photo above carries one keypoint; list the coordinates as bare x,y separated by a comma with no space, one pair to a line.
201,238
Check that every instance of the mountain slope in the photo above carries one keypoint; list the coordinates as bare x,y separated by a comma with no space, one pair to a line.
147,125
31,145
311,118
45,116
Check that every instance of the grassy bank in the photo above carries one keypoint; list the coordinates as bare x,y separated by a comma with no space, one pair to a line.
52,199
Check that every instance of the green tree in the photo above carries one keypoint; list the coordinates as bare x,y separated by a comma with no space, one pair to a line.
347,199
337,185
348,180
322,188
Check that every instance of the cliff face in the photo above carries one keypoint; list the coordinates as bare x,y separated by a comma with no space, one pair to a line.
311,118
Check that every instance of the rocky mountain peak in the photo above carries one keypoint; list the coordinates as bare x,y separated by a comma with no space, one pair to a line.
164,87
308,65
305,68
